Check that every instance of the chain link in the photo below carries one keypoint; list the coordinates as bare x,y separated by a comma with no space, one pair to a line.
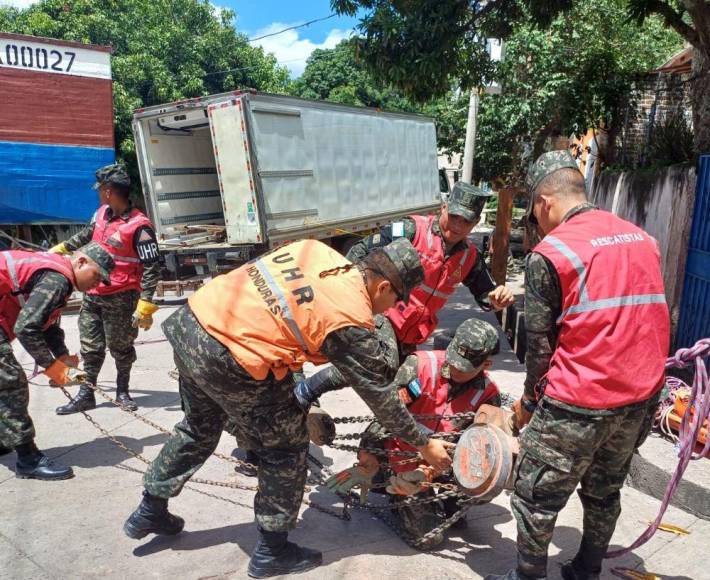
384,513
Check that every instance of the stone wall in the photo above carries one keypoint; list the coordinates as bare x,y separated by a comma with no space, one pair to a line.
661,202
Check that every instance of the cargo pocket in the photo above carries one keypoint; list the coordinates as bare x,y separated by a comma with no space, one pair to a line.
540,470
281,427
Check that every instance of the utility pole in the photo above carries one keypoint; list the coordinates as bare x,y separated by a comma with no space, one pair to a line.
469,149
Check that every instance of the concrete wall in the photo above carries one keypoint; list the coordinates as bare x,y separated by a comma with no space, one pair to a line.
661,202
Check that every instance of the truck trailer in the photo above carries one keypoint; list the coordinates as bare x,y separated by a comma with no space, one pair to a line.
229,176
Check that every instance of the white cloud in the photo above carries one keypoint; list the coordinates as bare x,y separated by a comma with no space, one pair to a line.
19,4
291,50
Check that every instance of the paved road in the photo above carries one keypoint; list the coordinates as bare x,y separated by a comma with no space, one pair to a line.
72,529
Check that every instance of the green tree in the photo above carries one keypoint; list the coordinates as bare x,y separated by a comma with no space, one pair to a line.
423,46
164,50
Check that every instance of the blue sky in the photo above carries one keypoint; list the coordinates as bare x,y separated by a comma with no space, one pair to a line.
258,17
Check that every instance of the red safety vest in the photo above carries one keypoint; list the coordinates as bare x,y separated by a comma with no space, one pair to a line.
116,237
415,321
434,400
16,269
614,330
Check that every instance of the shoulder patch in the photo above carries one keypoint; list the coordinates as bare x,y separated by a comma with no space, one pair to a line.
146,245
397,230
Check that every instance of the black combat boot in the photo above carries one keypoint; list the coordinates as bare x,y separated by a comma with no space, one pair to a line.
152,517
586,565
529,568
122,396
84,401
274,555
33,464
251,458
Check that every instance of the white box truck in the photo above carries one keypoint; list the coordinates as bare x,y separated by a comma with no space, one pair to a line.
228,176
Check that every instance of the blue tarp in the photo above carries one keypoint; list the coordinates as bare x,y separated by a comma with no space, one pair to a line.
47,184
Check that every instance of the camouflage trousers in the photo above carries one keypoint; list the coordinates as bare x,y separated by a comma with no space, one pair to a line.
16,425
214,388
560,449
106,321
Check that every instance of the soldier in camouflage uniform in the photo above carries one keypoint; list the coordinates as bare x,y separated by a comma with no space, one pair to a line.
240,377
576,437
466,359
34,286
111,317
449,229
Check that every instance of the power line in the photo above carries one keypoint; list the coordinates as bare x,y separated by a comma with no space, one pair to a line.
292,27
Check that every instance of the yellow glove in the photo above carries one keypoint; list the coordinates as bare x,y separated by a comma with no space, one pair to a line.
143,316
60,249
411,482
61,375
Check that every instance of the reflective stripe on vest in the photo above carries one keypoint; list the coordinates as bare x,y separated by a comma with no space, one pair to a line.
587,305
13,276
287,314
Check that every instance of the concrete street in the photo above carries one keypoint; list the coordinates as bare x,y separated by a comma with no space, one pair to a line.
72,529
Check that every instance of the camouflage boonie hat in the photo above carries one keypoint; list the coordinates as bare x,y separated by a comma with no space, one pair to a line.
102,258
474,341
467,201
405,259
113,173
547,163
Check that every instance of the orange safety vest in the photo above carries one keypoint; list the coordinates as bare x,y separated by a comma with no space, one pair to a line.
16,269
434,399
274,313
614,330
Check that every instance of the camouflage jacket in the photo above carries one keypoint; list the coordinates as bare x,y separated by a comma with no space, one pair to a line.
543,305
408,372
479,280
151,267
356,354
48,291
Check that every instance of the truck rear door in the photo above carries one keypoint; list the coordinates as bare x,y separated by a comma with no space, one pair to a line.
234,160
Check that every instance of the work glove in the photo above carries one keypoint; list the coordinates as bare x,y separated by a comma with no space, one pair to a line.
143,315
411,482
359,475
321,428
304,395
71,360
60,248
62,375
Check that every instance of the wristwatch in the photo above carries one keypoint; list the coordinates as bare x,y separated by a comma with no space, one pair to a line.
528,404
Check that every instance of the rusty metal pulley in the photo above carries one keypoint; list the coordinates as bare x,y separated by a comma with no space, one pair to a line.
483,461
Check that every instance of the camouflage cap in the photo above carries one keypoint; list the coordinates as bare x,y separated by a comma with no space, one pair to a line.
102,258
405,259
546,164
467,201
475,340
114,173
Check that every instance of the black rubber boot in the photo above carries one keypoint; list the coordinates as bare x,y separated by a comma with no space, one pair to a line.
152,517
33,464
586,565
274,555
249,457
85,400
122,396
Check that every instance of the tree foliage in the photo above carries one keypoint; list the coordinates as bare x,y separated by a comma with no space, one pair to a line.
164,50
562,71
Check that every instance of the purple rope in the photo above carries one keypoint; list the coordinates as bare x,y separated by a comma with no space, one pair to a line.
688,432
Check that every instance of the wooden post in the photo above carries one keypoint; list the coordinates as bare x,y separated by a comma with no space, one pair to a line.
501,236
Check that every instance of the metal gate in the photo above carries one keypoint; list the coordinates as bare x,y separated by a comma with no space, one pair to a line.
694,322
